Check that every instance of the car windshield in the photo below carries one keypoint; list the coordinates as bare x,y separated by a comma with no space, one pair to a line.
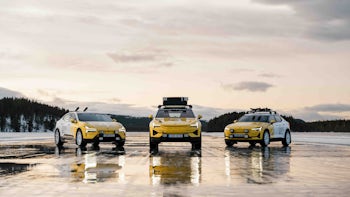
86,117
175,113
254,118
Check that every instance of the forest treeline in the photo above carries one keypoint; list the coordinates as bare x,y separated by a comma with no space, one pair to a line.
24,115
219,123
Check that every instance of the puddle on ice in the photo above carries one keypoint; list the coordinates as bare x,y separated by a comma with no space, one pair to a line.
14,168
25,151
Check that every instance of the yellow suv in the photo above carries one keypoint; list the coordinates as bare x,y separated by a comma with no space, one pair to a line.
85,127
175,122
260,125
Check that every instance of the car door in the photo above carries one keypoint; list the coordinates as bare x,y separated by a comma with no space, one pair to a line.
279,126
66,125
274,126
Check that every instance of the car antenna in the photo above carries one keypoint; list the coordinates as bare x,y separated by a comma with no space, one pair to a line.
77,109
85,108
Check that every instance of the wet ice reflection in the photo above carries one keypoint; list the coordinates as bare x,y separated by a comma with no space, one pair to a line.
92,166
257,165
171,169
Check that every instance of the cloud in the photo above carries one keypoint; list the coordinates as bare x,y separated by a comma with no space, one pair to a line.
329,20
322,112
211,112
4,92
269,75
251,86
329,108
114,107
120,58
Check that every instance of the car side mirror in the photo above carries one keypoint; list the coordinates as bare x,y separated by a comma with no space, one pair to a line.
72,120
272,121
200,116
114,120
150,117
234,121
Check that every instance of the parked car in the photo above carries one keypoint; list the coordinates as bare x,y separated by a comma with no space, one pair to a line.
86,127
175,122
258,126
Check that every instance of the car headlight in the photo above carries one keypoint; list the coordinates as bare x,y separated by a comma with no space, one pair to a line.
90,129
155,125
122,129
195,125
257,129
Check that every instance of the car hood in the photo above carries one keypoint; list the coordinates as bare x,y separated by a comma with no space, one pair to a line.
175,121
104,125
246,125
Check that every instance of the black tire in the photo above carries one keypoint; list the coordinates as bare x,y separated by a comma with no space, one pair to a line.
266,139
229,142
252,143
153,146
96,144
196,145
58,139
287,139
79,139
120,143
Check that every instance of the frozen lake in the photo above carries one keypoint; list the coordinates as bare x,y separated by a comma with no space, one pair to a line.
316,164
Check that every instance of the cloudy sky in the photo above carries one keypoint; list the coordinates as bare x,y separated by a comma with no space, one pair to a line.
124,56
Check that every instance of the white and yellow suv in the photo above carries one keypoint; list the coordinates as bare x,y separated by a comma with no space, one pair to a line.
260,125
175,122
86,127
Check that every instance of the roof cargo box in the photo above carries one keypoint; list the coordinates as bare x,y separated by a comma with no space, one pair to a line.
175,100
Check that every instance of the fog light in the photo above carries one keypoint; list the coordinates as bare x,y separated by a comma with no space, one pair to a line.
117,138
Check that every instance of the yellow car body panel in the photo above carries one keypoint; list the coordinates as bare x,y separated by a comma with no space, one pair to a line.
175,126
247,130
89,135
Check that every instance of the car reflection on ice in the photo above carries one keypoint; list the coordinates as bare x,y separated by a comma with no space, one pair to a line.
89,167
172,169
257,165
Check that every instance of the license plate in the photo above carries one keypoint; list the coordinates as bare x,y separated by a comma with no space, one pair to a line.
108,135
175,136
239,135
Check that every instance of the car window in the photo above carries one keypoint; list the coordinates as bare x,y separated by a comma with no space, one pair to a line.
66,117
87,117
272,118
175,113
278,118
253,118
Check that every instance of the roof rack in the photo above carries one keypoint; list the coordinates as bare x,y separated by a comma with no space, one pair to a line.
255,110
174,106
175,100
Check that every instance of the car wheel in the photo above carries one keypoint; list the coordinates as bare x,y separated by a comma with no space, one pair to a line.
153,147
120,144
79,139
58,140
96,144
229,142
196,145
252,143
287,139
266,139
